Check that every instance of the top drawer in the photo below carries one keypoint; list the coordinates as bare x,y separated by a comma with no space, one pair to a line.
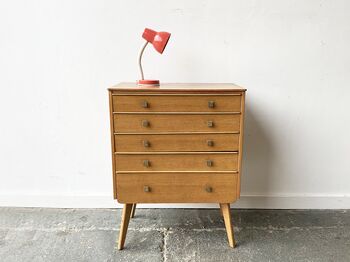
177,103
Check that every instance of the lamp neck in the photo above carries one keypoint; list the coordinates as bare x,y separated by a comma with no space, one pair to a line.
140,57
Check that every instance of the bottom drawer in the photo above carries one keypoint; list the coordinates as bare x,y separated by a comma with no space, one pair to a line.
176,187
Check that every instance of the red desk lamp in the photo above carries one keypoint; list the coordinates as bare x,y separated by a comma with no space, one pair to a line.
159,41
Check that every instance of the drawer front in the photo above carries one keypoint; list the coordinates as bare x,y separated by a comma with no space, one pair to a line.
177,103
177,162
177,188
175,123
178,142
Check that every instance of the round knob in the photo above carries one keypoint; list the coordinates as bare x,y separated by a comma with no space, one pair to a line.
210,123
209,162
145,123
146,143
211,104
146,163
210,142
209,189
146,189
145,104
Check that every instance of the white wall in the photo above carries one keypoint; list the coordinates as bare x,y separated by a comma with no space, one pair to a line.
58,57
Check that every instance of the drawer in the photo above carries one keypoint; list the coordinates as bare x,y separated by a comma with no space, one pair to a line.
176,142
177,188
177,162
176,123
177,103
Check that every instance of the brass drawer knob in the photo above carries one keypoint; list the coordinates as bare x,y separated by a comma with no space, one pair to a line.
145,123
146,189
146,163
210,142
211,104
146,143
209,189
209,163
145,104
210,123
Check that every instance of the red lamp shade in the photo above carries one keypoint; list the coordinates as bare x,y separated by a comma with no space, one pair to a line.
157,39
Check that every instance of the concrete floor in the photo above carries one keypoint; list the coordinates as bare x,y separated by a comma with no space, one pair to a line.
37,234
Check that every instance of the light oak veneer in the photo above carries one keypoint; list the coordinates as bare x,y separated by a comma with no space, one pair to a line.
176,143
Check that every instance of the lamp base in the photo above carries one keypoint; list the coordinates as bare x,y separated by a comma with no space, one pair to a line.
148,82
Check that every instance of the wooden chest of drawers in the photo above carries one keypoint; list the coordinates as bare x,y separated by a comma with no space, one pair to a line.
176,143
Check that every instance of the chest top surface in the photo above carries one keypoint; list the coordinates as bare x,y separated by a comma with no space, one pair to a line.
183,87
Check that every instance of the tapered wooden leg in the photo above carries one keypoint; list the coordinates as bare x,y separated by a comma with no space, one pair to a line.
133,210
225,209
124,225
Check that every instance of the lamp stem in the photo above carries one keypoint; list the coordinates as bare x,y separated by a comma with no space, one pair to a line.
140,57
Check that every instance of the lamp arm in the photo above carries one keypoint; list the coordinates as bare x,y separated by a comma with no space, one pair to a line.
140,57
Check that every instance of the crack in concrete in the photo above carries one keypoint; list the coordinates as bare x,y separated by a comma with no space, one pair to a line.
163,249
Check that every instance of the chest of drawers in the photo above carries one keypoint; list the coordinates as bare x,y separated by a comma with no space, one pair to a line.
176,143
